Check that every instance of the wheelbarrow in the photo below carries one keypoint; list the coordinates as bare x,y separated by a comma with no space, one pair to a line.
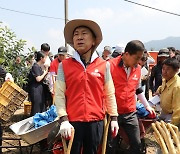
30,134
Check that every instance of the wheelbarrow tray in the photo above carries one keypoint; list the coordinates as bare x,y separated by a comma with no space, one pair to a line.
33,135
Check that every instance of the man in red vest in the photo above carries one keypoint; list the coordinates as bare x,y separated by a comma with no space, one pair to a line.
84,87
126,74
62,53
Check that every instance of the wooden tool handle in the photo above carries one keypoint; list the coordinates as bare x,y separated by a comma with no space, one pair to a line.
67,149
105,135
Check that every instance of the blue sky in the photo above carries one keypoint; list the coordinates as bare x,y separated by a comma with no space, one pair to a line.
120,21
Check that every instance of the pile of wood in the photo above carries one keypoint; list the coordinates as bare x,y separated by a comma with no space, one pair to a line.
167,136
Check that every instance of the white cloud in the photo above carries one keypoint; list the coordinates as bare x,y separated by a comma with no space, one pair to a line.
54,33
137,22
127,21
55,39
99,14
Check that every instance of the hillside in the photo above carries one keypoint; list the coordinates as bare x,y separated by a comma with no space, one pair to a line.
167,42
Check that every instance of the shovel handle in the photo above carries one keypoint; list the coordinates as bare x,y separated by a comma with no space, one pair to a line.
67,149
105,134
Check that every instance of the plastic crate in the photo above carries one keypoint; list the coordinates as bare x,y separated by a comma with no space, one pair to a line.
11,97
27,107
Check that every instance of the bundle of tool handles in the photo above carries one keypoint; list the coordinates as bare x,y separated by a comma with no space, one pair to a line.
167,136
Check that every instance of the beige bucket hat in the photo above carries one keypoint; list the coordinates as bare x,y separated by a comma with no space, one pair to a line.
73,24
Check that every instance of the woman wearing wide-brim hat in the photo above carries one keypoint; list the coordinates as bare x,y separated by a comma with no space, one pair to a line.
84,87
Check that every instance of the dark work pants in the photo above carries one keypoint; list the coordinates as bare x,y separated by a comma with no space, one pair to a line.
130,125
88,136
129,122
147,89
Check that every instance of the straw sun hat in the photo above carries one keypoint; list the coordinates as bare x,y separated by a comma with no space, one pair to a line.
73,24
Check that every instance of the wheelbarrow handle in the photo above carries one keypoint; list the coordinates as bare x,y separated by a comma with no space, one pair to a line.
67,149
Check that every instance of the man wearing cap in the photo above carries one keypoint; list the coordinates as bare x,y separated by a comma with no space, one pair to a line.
62,52
84,87
117,51
156,72
106,53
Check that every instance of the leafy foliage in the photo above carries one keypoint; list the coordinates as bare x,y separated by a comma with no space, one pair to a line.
10,49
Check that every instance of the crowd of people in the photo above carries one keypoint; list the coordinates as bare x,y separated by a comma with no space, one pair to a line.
80,87
86,87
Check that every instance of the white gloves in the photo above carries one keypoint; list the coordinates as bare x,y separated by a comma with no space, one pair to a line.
65,129
114,128
9,77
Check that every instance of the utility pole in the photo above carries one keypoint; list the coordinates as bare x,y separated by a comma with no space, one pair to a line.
66,16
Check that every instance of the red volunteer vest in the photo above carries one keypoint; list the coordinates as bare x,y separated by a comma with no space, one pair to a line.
84,90
125,88
54,66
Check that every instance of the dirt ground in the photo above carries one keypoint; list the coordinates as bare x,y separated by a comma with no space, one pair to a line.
11,139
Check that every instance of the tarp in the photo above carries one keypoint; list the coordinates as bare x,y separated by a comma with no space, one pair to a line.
41,119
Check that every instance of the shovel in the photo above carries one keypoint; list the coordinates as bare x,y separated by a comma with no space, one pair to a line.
106,128
54,135
67,149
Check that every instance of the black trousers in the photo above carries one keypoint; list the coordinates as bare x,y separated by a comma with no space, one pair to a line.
88,136
37,97
129,123
147,89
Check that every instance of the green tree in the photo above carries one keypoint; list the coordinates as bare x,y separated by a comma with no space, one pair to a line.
10,49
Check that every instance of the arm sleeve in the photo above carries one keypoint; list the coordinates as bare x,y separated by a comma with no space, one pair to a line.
139,84
175,106
60,88
109,92
140,95
36,71
51,82
143,99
